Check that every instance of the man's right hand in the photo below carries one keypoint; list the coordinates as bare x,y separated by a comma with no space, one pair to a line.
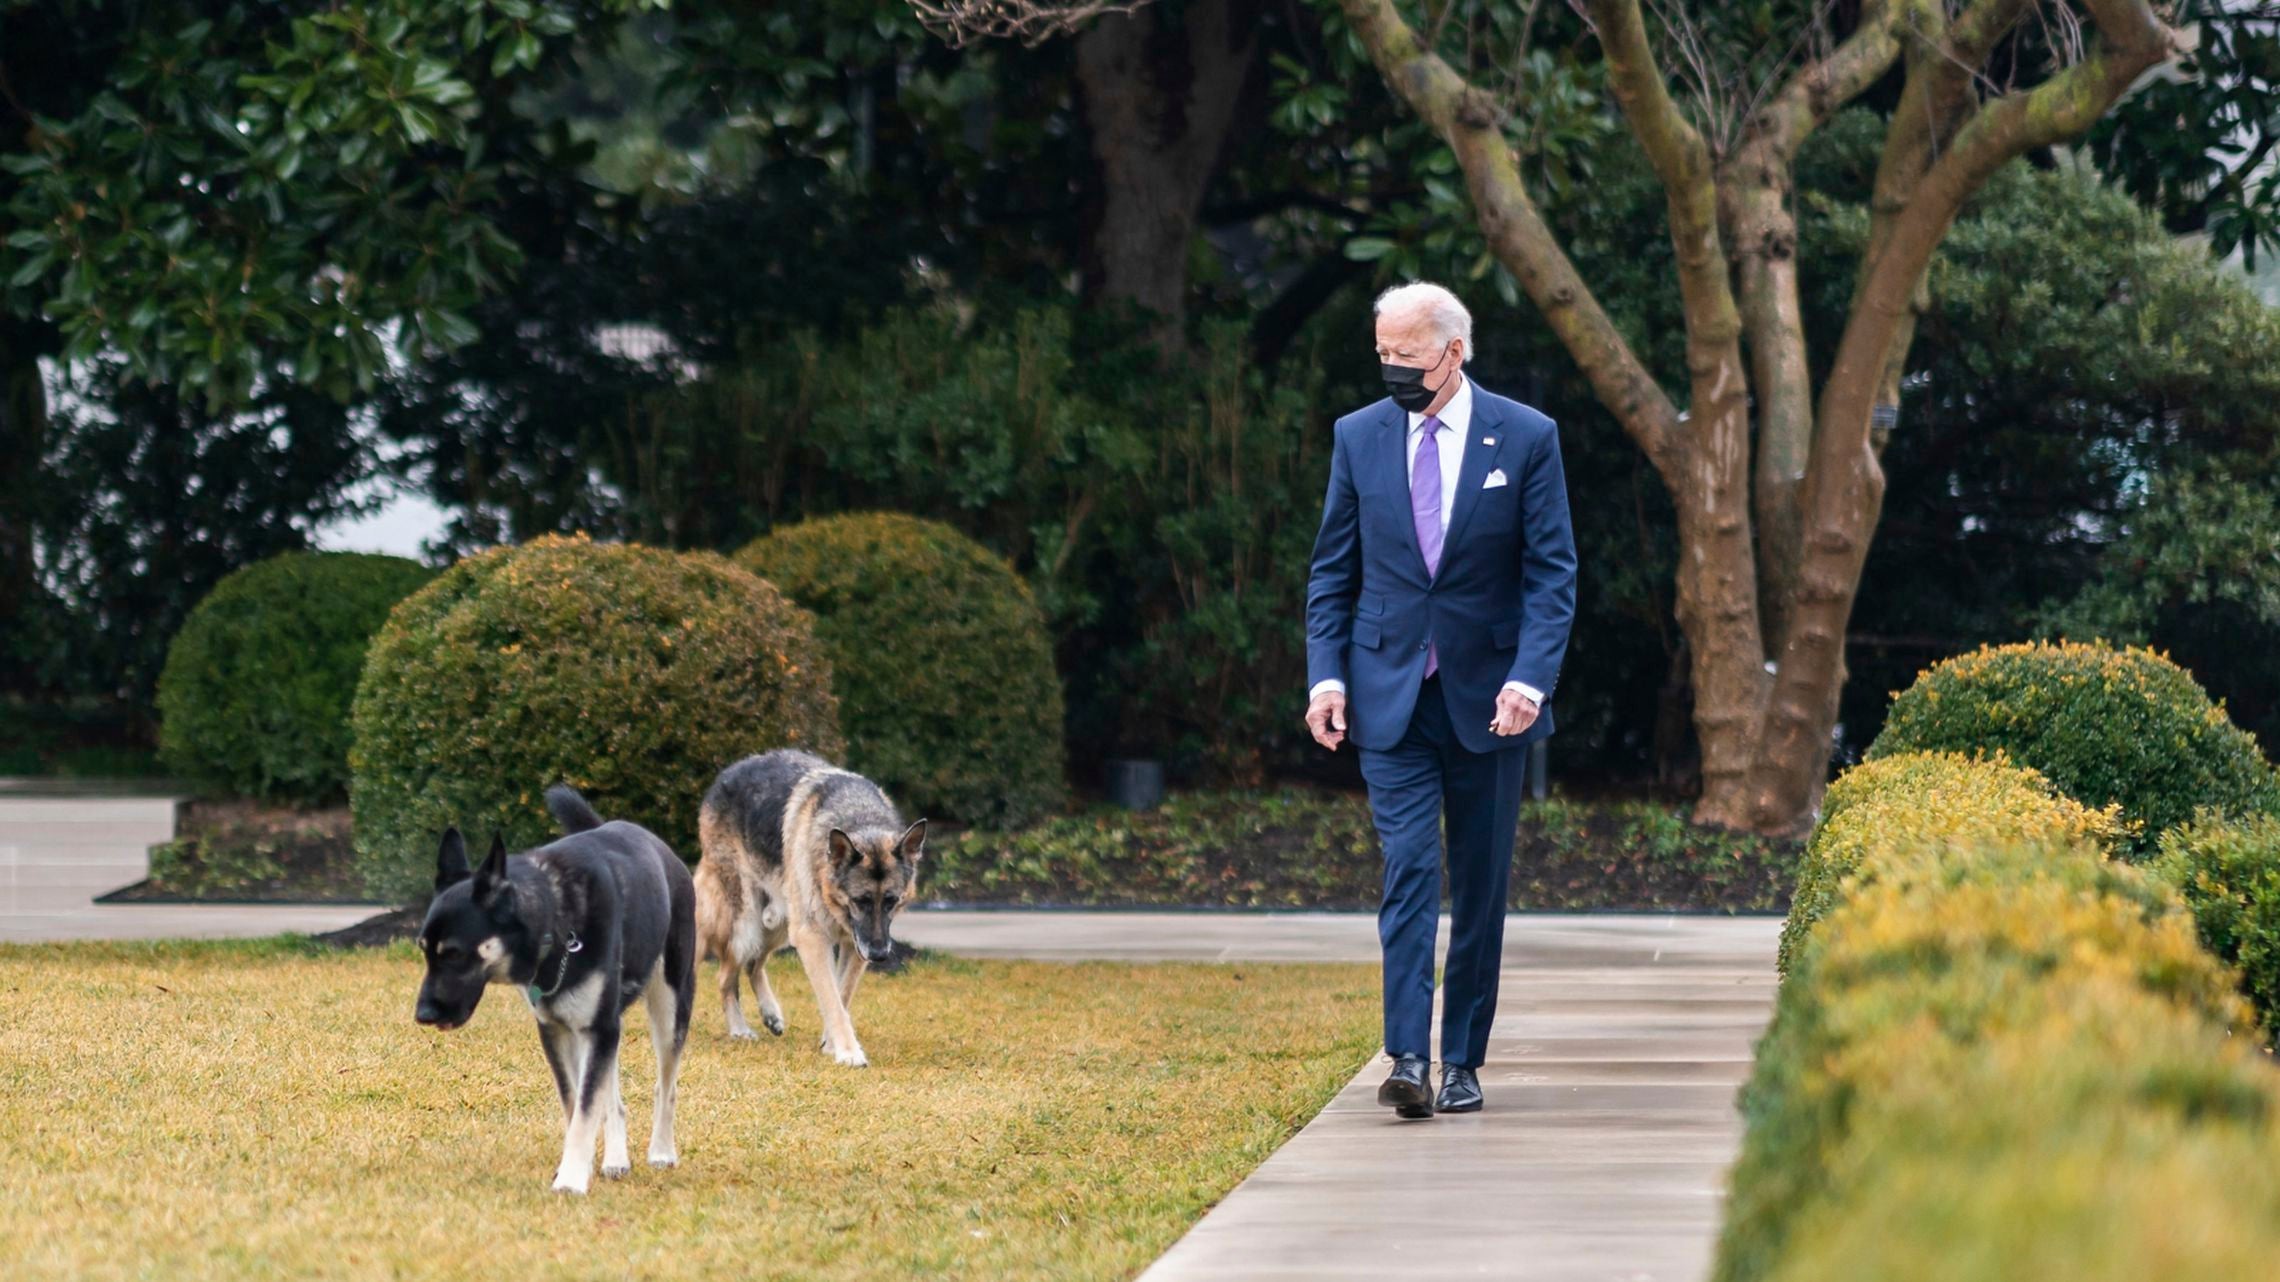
1326,719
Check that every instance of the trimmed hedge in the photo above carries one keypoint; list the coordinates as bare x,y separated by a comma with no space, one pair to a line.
2104,725
2113,1136
632,673
1887,812
2229,874
940,658
1978,1015
255,695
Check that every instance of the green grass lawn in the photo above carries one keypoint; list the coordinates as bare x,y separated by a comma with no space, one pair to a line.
266,1110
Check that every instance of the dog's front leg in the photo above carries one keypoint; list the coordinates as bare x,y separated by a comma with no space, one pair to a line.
561,1057
851,966
596,1057
838,1029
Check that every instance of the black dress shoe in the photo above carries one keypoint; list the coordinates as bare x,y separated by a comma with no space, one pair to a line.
1405,1088
1460,1090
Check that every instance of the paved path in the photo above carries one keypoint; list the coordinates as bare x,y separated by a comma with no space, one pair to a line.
1610,1122
57,852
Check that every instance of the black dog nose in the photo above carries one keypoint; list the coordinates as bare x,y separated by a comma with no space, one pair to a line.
428,1014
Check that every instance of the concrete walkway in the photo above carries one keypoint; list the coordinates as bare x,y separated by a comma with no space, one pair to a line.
1600,1156
61,847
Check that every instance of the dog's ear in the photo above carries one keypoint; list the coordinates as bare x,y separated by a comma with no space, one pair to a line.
450,861
914,840
843,851
492,889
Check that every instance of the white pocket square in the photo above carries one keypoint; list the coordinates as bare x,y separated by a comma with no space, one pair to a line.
1495,479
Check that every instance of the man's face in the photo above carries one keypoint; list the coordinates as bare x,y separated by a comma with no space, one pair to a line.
1403,338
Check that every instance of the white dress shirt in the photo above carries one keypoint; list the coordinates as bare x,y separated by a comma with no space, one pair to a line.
1456,424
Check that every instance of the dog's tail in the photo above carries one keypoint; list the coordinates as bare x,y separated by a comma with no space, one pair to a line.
570,810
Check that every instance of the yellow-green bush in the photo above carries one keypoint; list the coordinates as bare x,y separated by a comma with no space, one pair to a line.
255,694
1898,808
2229,874
1981,984
632,673
940,658
2115,1137
2104,725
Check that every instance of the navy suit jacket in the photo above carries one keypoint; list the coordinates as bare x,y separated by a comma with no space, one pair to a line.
1498,610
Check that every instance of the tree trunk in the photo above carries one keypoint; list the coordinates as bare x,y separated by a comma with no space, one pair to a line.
1159,89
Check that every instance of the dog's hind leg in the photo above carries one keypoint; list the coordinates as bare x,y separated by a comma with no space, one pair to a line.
665,1034
763,992
730,967
596,1060
615,1162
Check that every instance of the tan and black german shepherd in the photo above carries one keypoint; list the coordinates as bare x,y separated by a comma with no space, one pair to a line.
798,849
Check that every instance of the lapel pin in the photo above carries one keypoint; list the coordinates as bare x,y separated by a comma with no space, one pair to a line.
1488,440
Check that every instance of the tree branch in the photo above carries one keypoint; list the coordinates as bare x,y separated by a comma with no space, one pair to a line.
1513,226
2131,39
1821,88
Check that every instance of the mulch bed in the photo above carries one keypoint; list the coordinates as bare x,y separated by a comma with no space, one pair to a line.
243,851
1293,848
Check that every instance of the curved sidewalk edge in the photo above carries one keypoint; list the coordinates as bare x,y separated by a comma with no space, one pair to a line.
1610,1121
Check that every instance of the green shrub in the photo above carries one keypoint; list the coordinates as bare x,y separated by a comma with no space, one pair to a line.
1959,945
2104,725
2229,874
941,662
1896,808
255,694
2133,1140
632,673
1973,984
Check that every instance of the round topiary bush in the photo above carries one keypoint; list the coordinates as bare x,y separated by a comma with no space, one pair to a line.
255,693
2104,725
632,673
940,658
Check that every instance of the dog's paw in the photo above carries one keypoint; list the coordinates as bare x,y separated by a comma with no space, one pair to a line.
743,1035
570,1184
853,1058
664,1160
774,1023
616,1172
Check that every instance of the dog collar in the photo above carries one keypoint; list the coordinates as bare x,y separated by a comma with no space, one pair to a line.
545,946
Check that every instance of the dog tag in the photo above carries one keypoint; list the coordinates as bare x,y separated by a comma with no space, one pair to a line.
573,945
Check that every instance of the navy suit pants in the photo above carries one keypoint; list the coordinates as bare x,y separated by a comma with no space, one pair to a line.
1413,785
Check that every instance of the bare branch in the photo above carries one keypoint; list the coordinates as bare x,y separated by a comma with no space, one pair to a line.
1515,229
1821,87
1033,22
2132,38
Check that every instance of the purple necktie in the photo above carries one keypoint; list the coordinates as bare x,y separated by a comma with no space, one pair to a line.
1425,509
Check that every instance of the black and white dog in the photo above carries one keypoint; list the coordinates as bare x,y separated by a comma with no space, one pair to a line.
584,925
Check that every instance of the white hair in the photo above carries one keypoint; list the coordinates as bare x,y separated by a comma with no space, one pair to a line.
1439,308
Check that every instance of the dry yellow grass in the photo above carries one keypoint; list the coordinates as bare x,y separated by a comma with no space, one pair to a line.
184,1111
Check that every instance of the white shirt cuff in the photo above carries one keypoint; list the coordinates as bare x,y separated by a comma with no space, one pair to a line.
1327,683
1523,687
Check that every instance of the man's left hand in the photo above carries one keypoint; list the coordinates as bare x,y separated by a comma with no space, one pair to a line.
1515,712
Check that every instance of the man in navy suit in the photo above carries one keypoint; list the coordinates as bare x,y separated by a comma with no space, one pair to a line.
1437,615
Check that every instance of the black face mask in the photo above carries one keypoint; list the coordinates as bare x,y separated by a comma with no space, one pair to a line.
1406,384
